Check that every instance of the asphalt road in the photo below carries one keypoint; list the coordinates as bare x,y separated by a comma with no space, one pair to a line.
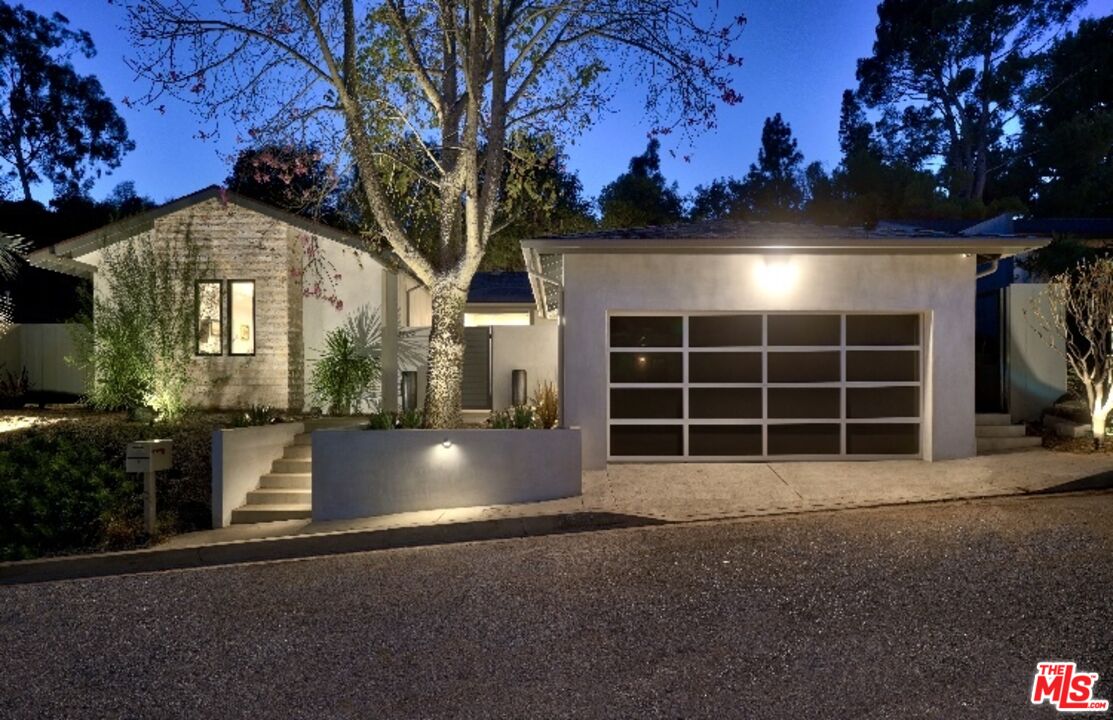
937,611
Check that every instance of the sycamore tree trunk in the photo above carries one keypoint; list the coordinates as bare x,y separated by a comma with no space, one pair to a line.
446,355
1099,414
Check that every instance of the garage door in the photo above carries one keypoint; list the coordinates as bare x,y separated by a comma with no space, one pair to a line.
753,386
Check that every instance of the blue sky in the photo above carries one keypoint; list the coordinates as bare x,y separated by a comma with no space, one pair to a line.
799,57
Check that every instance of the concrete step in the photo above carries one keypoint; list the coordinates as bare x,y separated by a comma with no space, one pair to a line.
270,513
993,419
998,431
297,452
292,466
1003,444
303,439
279,496
295,481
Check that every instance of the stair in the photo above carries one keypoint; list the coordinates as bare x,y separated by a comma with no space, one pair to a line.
286,492
995,433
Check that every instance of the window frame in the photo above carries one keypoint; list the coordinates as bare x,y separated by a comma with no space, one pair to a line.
254,324
197,316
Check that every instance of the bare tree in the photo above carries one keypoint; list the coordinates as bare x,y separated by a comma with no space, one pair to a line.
1075,316
452,77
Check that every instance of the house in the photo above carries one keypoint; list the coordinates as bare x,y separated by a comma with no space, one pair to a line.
749,340
279,282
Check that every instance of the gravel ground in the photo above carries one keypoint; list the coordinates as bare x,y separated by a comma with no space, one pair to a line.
937,611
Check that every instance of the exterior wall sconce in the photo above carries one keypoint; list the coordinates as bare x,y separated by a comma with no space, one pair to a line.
446,443
775,275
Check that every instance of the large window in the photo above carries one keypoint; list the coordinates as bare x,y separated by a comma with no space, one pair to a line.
217,319
241,313
764,385
210,311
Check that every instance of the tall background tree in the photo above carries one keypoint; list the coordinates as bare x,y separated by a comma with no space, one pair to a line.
56,125
641,196
449,77
772,189
1064,156
949,75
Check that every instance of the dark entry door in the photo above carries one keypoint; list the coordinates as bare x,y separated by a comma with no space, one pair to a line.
477,368
989,353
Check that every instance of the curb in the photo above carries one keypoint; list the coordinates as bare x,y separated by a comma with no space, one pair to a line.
292,547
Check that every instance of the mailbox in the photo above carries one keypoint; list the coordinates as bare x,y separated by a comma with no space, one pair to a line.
148,456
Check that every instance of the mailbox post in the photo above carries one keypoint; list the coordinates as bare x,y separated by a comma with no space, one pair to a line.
148,457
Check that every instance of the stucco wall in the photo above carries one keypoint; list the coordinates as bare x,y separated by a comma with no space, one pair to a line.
360,473
1037,373
532,348
359,288
942,286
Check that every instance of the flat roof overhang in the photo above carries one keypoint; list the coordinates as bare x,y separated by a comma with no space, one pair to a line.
991,246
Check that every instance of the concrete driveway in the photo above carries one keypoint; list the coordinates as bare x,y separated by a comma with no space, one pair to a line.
677,492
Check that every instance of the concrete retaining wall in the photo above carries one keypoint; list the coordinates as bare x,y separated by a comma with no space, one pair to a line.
240,457
359,473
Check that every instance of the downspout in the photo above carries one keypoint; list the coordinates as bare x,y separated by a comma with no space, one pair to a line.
992,268
541,280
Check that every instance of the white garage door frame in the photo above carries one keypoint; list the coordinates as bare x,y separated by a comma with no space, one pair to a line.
922,348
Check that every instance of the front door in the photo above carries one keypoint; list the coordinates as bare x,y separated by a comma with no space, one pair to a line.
477,368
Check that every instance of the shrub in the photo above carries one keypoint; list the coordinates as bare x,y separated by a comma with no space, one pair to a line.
14,389
136,339
547,405
345,374
65,488
519,417
257,415
383,420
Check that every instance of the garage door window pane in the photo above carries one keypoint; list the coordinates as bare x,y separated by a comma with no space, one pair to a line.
804,329
724,403
882,365
892,402
724,330
805,403
647,440
882,330
882,439
724,440
803,367
647,331
647,367
804,439
724,367
647,403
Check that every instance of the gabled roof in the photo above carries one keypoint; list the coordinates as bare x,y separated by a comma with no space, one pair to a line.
500,287
61,257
